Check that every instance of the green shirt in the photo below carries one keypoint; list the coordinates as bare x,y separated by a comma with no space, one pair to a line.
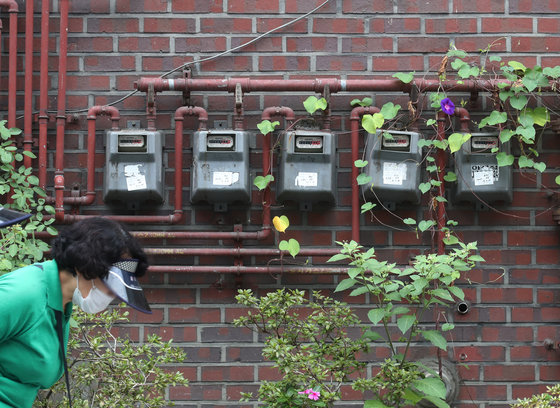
29,347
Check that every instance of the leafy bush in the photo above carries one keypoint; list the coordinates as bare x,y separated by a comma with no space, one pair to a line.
549,399
19,187
309,344
106,371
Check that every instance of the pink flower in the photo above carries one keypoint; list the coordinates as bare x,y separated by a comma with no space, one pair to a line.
312,395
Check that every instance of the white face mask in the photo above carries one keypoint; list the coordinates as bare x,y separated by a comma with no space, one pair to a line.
95,302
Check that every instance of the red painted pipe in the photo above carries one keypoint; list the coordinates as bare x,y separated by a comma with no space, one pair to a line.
43,95
267,114
441,163
316,85
12,63
355,116
28,101
237,252
61,109
289,269
464,118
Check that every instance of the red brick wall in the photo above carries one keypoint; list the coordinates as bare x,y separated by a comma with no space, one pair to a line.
514,294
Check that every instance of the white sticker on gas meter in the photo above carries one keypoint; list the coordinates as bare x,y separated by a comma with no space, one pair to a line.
135,178
484,175
224,178
394,173
305,179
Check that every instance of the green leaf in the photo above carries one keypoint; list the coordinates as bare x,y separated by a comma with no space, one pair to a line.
450,240
447,327
524,162
404,77
540,115
367,207
338,257
442,294
363,178
412,221
372,122
435,338
266,126
493,119
557,180
540,166
426,224
527,133
376,315
433,386
506,134
430,122
292,246
457,292
456,141
345,284
364,102
437,402
424,187
262,182
450,177
518,66
405,322
552,72
312,104
360,163
504,159
518,101
389,110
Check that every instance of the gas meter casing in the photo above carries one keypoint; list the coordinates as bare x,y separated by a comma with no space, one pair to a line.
220,169
478,174
133,168
307,167
393,164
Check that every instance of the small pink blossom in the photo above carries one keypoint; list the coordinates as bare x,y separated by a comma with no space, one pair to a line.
312,395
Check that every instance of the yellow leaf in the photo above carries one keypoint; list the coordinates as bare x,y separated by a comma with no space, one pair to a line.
281,223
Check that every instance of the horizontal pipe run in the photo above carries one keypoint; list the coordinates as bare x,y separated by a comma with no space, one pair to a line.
237,251
247,269
196,235
313,85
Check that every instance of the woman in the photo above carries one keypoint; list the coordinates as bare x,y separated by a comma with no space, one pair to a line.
94,261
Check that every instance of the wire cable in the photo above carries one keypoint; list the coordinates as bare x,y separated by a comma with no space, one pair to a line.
221,54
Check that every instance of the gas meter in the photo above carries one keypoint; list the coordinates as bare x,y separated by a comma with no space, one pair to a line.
478,174
307,171
220,169
394,167
133,168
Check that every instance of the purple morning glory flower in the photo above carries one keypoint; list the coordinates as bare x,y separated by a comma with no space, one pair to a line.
447,106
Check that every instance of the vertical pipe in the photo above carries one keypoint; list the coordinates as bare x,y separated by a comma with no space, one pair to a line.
440,163
61,110
12,67
28,101
43,94
288,113
355,115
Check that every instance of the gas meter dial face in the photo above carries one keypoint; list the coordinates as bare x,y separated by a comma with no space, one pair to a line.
396,141
220,142
132,141
484,143
310,144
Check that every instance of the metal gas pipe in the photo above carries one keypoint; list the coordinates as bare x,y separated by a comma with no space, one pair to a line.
12,7
43,95
28,102
464,118
355,116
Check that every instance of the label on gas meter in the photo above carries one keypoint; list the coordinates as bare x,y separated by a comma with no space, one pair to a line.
394,173
396,141
224,178
306,179
484,175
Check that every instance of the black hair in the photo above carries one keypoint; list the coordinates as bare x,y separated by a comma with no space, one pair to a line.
92,245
